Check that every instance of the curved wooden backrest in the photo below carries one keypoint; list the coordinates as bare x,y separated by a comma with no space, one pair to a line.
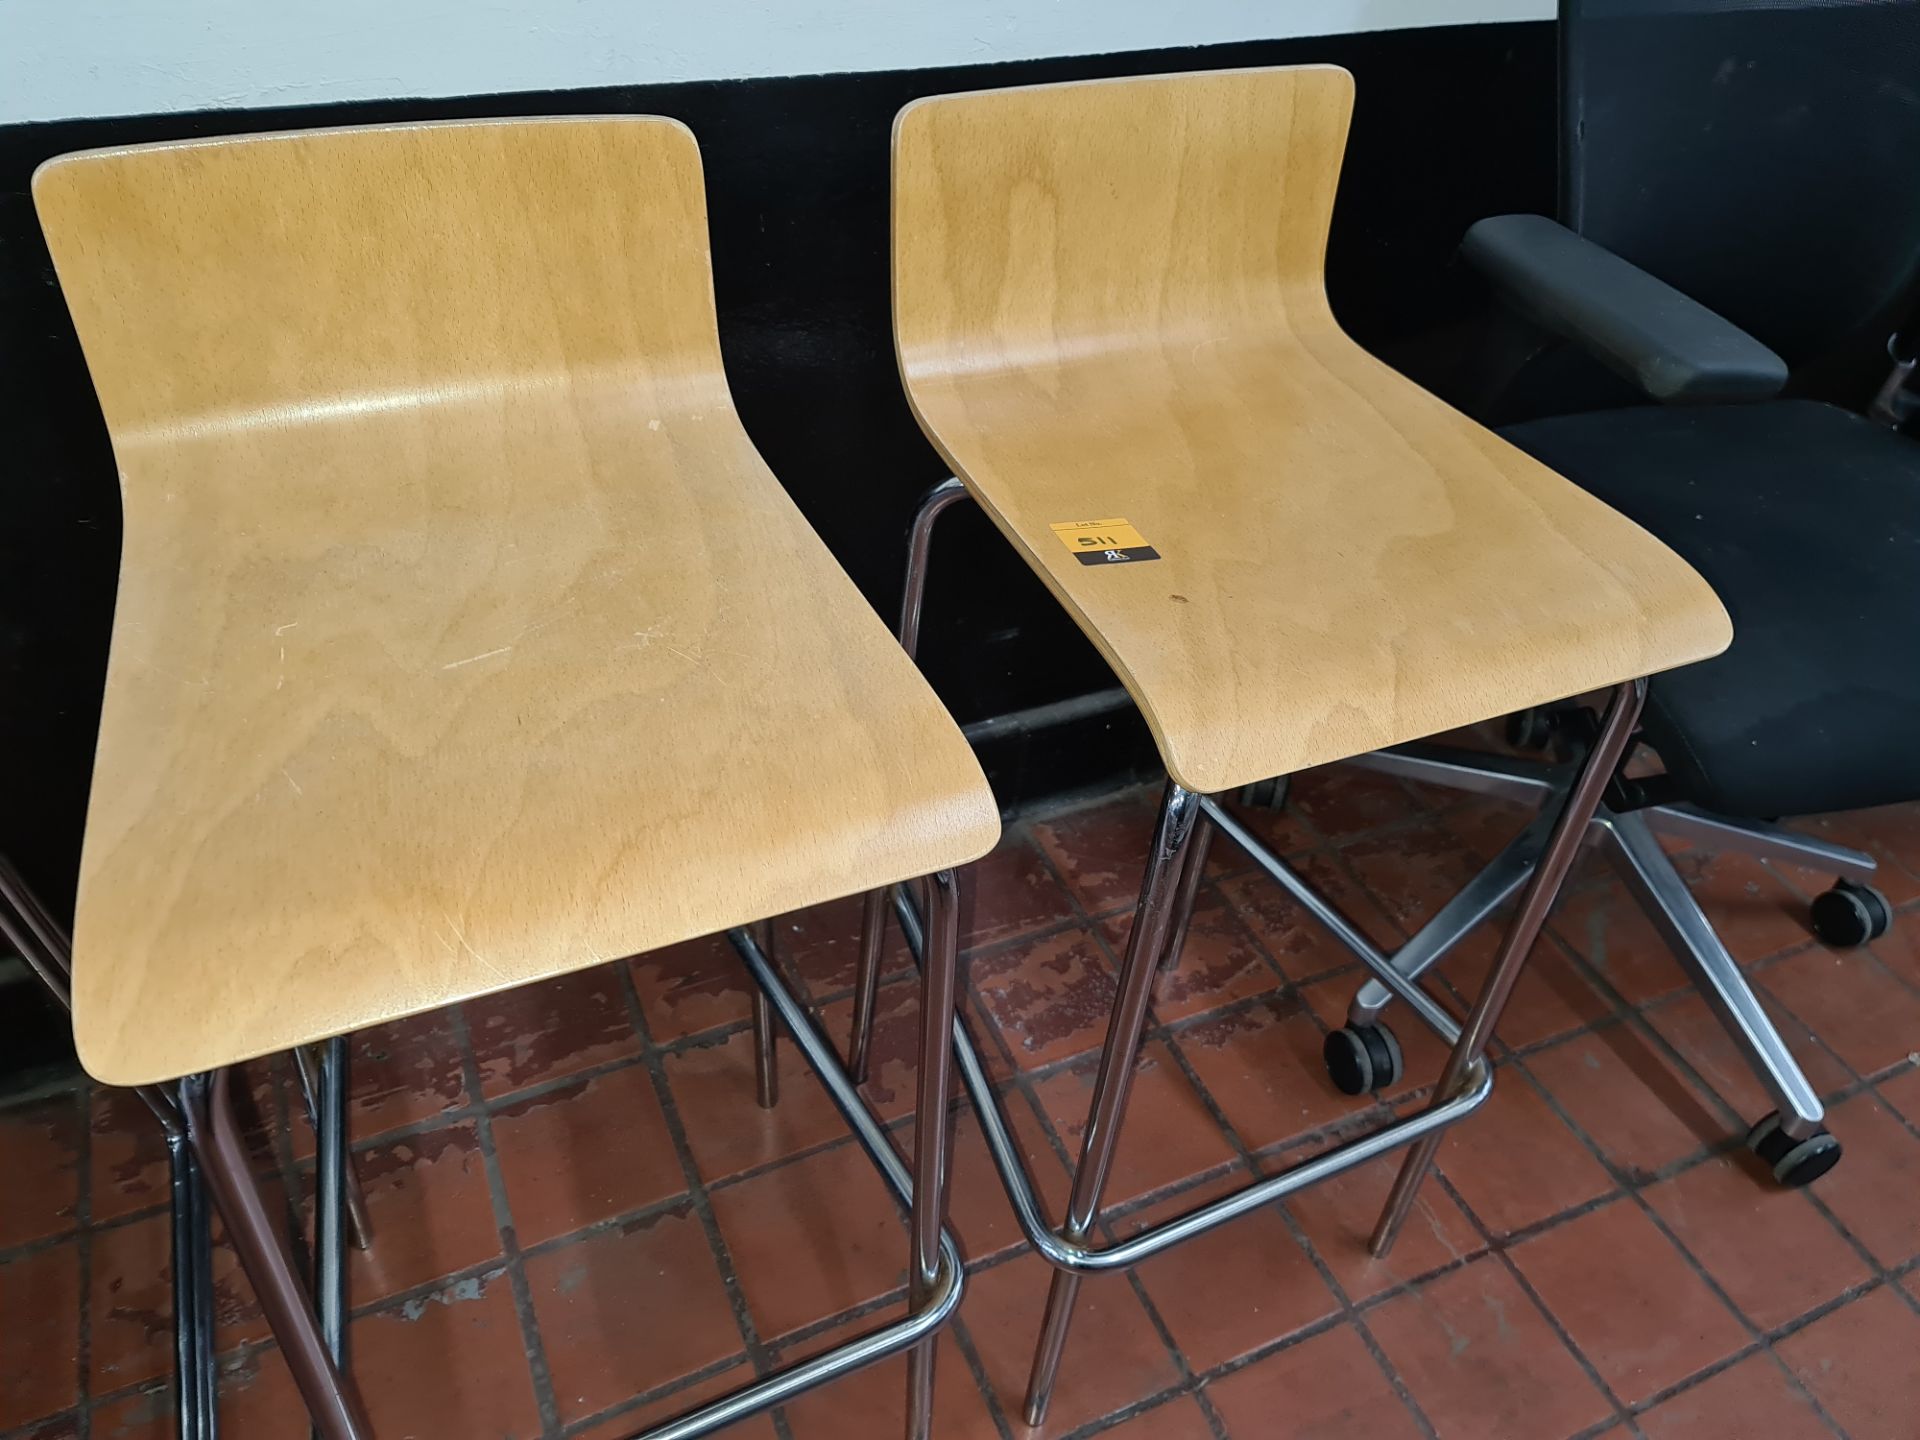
315,274
1017,235
463,637
1109,306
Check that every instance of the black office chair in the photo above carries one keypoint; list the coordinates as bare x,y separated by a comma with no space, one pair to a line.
1759,156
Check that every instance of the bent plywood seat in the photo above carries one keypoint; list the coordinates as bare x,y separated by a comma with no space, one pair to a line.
463,638
1108,303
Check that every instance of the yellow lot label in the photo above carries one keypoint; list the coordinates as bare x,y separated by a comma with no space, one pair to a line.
1082,536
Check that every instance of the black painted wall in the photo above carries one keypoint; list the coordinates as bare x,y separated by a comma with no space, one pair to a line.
1451,124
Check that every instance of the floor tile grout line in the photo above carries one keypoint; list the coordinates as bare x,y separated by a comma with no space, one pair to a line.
1865,1079
1354,1314
1845,1231
1621,1412
448,1119
239,1354
539,1372
1636,1019
1865,950
1861,1085
1757,978
40,1245
1130,1411
1634,1193
759,1354
45,1089
1895,1072
497,1267
977,1372
1012,1084
1332,1131
1343,1301
718,1184
740,1360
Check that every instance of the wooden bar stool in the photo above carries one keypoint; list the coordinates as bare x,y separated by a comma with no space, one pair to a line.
1111,322
463,639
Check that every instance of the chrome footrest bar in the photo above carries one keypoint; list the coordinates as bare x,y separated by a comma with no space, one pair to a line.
944,1298
1077,1258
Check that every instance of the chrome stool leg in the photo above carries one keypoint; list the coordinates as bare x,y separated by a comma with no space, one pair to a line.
205,1341
866,984
1178,811
1563,846
766,1063
932,1137
206,1102
1193,871
873,916
332,1165
196,1395
310,1068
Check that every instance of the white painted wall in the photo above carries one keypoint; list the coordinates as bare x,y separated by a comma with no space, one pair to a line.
66,58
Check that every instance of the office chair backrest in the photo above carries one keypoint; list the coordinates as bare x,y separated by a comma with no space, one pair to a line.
1056,223
1761,155
277,280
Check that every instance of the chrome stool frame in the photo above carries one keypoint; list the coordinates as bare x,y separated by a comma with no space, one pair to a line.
315,1343
1630,842
1173,871
936,1275
208,1164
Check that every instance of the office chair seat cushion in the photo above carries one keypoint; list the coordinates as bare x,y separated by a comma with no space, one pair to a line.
1806,520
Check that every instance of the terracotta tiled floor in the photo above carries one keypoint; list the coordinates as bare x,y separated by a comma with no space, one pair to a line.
585,1223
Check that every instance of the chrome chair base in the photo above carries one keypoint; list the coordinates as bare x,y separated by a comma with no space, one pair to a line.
1630,842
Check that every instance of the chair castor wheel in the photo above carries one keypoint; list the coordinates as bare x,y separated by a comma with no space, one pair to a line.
1794,1162
1850,914
1266,794
1363,1059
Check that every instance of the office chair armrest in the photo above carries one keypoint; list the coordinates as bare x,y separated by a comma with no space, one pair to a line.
1672,348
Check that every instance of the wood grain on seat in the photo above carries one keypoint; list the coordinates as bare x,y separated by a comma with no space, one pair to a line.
463,638
1108,304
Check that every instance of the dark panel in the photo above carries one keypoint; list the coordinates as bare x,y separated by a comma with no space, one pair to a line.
1757,155
1452,124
